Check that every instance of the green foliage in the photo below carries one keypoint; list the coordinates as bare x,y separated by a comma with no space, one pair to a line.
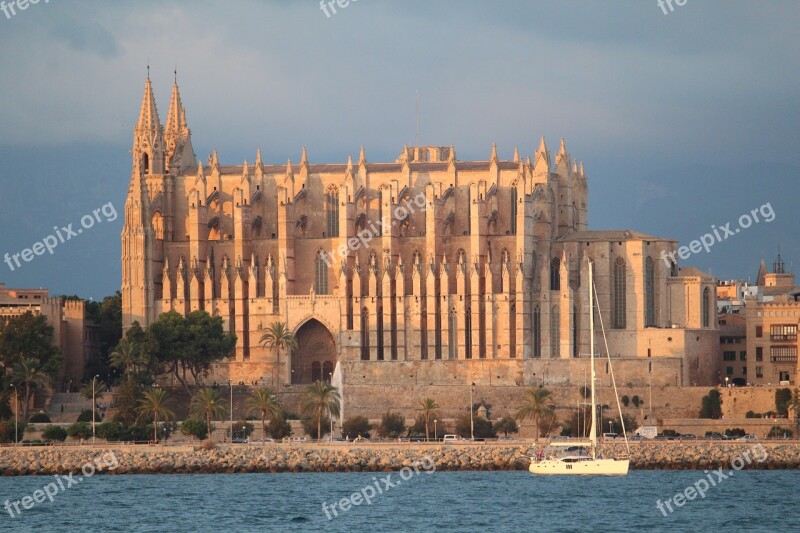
712,405
630,423
783,397
482,427
207,404
392,425
125,400
735,433
242,429
7,431
109,431
359,425
136,433
777,432
537,405
107,315
321,400
80,430
418,428
752,414
29,336
670,433
187,346
636,401
310,427
39,418
54,434
193,427
625,400
279,427
86,416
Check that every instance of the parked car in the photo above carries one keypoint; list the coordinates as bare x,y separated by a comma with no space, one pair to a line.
609,436
451,438
716,436
688,436
748,438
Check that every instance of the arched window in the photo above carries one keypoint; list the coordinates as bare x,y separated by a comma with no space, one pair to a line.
321,277
145,163
468,334
537,332
619,294
555,332
706,307
650,293
365,334
513,210
416,261
332,209
575,343
452,335
555,274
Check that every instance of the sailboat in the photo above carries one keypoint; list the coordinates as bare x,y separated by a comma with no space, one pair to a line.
574,459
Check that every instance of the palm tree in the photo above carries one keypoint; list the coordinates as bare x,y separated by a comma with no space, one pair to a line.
278,337
264,402
26,373
427,406
207,404
126,357
321,399
155,403
537,404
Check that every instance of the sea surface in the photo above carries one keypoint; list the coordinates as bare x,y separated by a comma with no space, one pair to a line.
436,501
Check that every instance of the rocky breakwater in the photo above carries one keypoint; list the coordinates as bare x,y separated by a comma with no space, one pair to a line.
368,458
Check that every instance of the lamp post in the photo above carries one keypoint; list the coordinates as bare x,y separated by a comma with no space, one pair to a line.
471,421
650,400
435,434
330,380
16,413
94,403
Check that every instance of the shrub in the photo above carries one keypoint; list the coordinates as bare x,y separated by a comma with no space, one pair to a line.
506,425
783,398
670,433
625,400
242,429
310,426
777,432
735,433
482,429
358,425
40,418
86,416
54,433
392,425
636,401
192,427
7,433
712,405
136,433
752,414
279,427
109,431
80,430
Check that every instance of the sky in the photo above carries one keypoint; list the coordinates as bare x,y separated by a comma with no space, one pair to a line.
685,121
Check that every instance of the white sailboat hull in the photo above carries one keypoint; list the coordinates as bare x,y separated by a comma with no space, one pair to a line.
587,467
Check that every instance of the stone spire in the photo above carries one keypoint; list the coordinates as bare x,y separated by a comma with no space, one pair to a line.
148,115
148,135
493,155
516,155
362,158
177,136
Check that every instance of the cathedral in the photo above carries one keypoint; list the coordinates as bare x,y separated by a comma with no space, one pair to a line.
426,269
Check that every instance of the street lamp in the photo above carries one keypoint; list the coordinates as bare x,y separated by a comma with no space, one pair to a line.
471,421
435,434
330,380
94,405
16,413
230,384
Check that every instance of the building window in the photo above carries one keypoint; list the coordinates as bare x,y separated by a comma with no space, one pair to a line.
783,375
744,370
321,277
555,331
513,211
759,353
379,334
783,354
619,294
452,335
468,333
332,208
780,332
759,371
537,332
365,334
729,356
469,213
555,275
759,331
575,344
742,356
706,306
650,296
729,370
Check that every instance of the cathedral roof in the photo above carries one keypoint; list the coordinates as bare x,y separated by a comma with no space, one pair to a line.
692,272
610,235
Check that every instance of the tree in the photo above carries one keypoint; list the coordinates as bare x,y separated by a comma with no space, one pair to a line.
109,431
506,425
29,336
711,405
27,375
536,405
478,427
8,432
278,337
316,430
392,425
428,408
127,357
155,403
783,398
54,433
187,346
107,316
206,403
80,430
194,428
355,426
321,399
279,427
265,403
125,399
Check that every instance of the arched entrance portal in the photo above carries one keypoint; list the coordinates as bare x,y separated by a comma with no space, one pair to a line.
315,356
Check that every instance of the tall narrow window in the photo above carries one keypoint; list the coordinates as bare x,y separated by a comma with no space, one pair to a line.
575,343
468,334
452,335
332,208
555,332
379,334
537,332
469,212
650,296
514,211
706,307
365,334
555,275
619,293
321,277
145,163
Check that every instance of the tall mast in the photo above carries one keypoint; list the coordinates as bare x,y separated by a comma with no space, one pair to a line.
593,435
